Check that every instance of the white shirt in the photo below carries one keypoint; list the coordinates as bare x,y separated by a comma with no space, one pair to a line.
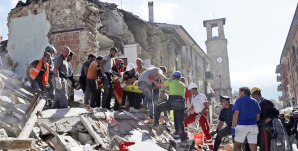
198,102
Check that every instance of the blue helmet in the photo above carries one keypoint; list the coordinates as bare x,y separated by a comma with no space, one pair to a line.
177,74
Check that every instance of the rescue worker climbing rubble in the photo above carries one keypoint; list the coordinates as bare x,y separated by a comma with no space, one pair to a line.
38,72
198,111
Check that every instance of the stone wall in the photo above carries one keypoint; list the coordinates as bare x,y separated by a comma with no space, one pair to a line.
73,23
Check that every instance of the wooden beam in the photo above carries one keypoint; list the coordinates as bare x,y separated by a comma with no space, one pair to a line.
16,144
32,103
49,129
89,124
32,119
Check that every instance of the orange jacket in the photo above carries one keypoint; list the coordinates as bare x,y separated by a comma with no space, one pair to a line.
35,71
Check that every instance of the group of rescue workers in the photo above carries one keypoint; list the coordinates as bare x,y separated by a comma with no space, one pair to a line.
252,121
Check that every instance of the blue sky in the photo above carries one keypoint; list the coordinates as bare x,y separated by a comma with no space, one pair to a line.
256,31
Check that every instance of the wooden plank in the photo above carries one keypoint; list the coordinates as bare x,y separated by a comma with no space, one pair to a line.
11,107
49,129
32,103
16,144
32,119
88,123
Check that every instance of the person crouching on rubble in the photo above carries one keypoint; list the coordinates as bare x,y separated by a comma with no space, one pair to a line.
38,72
175,102
129,77
61,74
198,111
92,94
225,116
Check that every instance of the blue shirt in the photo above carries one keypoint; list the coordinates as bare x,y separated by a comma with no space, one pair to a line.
86,64
248,109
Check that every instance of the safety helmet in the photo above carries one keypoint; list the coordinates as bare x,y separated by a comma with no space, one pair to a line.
130,66
50,48
177,74
192,86
254,89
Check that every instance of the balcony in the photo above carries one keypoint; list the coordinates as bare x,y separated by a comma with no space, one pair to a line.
280,87
208,76
279,78
278,68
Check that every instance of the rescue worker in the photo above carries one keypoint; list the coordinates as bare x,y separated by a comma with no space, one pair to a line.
92,95
129,77
84,71
225,116
295,127
50,90
146,86
119,67
140,68
106,69
278,134
70,81
198,111
175,102
265,122
61,74
38,72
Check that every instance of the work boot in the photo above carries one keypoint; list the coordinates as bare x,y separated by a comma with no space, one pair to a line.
150,121
143,109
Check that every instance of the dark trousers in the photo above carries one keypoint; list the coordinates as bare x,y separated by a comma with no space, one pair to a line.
37,84
134,99
176,103
222,133
92,94
264,137
82,81
107,94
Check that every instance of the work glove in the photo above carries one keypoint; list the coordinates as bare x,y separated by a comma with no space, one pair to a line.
233,131
58,83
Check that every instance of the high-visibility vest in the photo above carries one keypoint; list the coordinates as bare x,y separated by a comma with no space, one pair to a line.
35,71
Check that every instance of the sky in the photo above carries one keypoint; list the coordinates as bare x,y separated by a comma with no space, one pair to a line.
256,31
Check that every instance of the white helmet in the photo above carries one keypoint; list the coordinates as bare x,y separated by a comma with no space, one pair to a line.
130,66
192,85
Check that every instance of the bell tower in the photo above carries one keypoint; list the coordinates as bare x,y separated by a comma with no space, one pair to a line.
217,50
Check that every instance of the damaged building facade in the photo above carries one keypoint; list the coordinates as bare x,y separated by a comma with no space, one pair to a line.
94,27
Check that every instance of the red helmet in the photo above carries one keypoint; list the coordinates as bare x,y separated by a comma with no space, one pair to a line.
119,61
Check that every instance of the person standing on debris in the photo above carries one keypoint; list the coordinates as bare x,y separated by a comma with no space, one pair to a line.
265,122
38,72
61,74
278,134
175,102
295,126
93,92
129,77
198,111
140,68
70,81
50,90
84,71
119,67
225,116
106,68
145,85
246,114
289,124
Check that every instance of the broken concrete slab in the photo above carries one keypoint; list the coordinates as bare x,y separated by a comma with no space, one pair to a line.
62,120
84,137
66,143
3,134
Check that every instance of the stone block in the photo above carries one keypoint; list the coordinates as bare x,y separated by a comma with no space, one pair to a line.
84,137
3,134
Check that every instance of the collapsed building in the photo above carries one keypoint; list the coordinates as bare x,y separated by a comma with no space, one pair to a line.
92,26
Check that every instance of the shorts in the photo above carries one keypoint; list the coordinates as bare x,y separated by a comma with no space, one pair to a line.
247,131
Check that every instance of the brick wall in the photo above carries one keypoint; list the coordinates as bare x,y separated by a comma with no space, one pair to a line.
72,40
